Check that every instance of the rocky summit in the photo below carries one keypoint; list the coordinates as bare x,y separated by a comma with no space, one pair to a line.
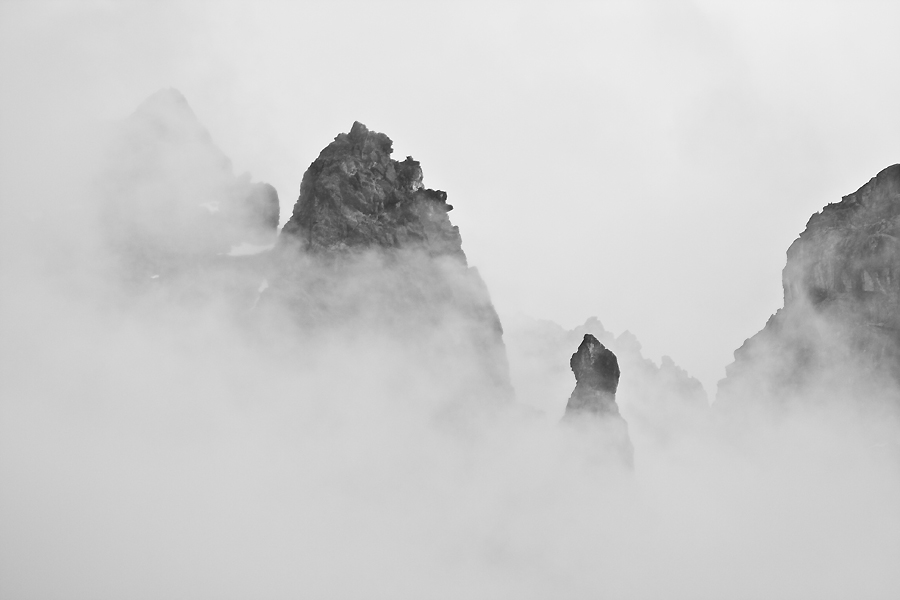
371,253
593,401
354,196
596,379
838,333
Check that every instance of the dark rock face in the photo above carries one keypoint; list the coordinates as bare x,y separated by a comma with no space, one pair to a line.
848,259
593,402
838,334
372,254
170,196
597,377
355,196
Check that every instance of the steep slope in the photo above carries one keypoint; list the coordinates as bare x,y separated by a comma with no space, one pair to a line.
370,252
838,334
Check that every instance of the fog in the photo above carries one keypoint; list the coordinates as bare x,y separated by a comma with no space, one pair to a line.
160,452
199,431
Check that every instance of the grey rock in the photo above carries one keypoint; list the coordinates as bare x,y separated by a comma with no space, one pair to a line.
661,402
355,196
593,401
838,334
597,377
370,252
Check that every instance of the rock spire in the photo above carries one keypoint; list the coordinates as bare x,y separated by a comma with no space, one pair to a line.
597,377
593,402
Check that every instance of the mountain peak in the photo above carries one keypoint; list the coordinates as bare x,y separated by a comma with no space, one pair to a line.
595,368
355,196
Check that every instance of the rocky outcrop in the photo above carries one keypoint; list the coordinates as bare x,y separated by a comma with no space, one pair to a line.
838,334
593,402
371,253
597,377
354,196
660,401
170,198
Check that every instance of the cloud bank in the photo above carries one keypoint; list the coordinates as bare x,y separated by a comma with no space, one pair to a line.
160,440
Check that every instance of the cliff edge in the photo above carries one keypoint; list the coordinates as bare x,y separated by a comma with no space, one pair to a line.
838,334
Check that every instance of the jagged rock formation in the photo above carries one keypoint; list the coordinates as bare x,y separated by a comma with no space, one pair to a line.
354,196
170,198
838,335
594,398
370,252
662,398
659,401
597,377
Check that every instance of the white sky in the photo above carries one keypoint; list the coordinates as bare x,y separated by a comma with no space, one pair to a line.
645,162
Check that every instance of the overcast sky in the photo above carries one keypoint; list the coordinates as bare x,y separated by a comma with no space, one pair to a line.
645,162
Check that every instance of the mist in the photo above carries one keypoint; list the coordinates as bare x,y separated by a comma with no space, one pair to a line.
159,452
178,422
